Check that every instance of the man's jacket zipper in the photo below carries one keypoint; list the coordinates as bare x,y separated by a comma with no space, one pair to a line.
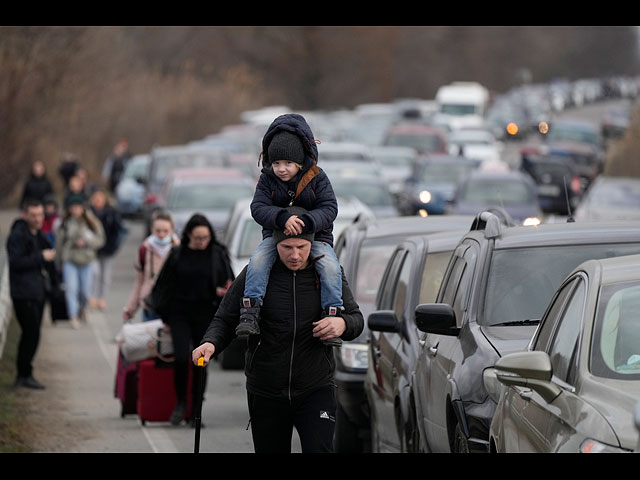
293,340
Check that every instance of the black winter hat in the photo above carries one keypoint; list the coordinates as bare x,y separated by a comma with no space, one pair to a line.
286,146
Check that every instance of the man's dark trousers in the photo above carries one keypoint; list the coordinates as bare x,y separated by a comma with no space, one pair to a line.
29,316
313,416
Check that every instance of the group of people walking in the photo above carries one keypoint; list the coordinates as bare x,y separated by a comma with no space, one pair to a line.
292,302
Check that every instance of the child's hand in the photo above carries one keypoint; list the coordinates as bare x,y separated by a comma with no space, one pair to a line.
293,226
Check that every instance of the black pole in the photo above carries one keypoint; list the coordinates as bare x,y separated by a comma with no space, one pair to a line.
198,404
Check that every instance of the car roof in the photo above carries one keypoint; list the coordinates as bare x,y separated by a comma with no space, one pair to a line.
571,233
409,225
615,269
414,128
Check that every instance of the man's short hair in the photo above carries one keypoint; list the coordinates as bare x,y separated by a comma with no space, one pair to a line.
31,202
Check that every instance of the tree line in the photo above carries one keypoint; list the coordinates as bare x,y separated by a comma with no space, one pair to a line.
79,89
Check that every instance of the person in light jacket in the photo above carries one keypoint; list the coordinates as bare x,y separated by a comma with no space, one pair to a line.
78,237
151,256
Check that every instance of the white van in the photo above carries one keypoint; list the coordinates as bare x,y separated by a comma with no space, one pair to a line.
462,104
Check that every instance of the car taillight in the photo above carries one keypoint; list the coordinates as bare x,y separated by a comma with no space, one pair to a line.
151,199
576,185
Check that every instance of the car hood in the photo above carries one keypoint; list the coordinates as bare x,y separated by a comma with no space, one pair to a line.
508,339
619,414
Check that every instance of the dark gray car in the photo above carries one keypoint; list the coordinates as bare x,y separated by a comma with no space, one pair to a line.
413,276
576,386
494,293
363,249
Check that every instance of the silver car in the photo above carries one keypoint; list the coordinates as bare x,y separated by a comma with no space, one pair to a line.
576,387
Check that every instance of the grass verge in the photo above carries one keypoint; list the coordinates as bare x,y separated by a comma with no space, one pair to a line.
13,411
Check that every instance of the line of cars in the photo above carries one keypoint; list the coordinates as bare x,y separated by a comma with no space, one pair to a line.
425,385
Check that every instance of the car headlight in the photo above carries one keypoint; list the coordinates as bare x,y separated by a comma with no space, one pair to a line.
354,355
424,196
593,446
531,221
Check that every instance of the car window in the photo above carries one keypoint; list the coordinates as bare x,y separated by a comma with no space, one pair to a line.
250,237
432,275
564,346
550,320
402,287
389,282
615,350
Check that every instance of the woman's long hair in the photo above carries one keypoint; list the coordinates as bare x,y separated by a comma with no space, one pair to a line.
197,220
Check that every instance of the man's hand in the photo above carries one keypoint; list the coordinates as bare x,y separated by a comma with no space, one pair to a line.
48,255
293,226
205,350
329,327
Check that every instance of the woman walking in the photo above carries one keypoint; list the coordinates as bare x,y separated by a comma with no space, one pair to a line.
151,257
186,295
78,238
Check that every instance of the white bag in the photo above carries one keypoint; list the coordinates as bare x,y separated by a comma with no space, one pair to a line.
142,340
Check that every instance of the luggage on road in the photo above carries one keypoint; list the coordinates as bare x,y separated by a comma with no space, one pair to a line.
156,391
126,385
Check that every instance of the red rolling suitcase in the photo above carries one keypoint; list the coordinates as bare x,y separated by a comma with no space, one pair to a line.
156,393
126,385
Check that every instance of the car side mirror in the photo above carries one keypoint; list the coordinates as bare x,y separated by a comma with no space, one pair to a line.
528,369
383,321
437,318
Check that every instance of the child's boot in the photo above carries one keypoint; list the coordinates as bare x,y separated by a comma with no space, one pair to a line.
249,317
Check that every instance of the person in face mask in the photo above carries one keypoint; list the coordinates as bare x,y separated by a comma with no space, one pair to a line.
151,257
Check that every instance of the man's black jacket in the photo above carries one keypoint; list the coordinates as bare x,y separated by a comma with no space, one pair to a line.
28,271
285,360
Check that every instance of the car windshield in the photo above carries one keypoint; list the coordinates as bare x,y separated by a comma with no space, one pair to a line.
250,238
500,192
206,195
522,281
372,194
421,142
136,169
615,194
615,351
562,133
458,109
164,164
453,172
372,261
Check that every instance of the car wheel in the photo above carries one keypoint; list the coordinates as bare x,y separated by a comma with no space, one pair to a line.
460,443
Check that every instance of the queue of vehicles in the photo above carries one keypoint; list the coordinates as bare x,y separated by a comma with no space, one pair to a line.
449,258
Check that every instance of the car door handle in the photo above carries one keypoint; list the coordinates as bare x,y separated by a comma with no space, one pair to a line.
433,350
525,393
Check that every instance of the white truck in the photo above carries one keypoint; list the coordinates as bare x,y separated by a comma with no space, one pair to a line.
462,104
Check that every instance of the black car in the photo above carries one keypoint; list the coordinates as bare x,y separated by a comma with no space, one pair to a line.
363,249
494,292
558,182
413,276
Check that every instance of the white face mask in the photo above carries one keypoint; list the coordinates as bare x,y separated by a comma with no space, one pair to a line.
161,241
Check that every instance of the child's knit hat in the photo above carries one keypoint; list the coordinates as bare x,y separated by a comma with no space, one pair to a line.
286,146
